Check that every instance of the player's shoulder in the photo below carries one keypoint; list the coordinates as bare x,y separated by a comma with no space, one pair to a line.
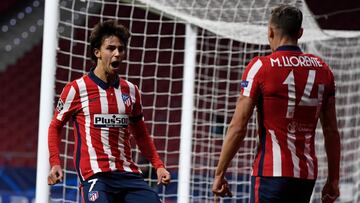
257,61
75,83
319,59
126,83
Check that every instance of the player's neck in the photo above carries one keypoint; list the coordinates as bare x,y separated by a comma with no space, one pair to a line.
285,41
104,76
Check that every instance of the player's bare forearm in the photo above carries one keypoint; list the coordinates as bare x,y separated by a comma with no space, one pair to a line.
235,134
332,147
231,145
330,190
331,139
234,137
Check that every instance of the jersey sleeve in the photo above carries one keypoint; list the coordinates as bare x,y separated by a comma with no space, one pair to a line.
146,144
137,111
332,86
252,78
66,106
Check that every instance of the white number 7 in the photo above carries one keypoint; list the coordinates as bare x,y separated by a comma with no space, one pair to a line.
305,99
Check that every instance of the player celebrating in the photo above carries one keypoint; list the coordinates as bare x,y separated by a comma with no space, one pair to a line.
291,90
105,109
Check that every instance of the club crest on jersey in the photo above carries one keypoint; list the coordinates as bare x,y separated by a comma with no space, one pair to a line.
292,126
60,105
244,83
126,99
111,120
93,196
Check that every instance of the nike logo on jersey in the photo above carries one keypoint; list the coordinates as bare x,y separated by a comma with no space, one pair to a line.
111,120
295,61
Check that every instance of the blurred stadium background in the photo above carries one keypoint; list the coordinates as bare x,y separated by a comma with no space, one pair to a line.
21,37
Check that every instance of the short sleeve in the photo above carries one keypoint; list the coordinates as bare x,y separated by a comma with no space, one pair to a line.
251,78
331,89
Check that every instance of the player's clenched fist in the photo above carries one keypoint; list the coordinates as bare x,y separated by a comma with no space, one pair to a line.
220,188
55,175
163,176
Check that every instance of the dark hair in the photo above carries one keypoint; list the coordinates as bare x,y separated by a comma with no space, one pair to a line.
106,29
287,18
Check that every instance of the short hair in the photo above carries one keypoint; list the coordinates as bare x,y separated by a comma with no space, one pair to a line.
287,18
106,29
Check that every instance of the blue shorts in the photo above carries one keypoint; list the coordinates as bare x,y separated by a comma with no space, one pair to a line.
117,187
280,190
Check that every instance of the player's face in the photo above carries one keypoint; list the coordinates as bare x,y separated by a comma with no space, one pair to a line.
110,54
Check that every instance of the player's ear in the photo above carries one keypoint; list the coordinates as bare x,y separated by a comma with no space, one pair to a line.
271,32
300,33
97,53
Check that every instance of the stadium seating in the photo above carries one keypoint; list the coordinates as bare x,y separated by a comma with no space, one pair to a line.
20,110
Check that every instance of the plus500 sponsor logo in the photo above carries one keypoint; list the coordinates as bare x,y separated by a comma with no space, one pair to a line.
111,120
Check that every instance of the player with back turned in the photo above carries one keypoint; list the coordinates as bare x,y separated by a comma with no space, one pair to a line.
291,90
106,111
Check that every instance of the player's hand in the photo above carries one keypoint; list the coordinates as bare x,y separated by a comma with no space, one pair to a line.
220,188
330,192
55,175
163,176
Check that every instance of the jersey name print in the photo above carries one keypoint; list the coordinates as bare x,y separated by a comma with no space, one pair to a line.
289,88
295,61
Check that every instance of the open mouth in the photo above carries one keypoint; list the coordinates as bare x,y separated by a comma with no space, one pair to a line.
115,64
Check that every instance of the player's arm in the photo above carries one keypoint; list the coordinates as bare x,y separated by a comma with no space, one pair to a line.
332,146
147,148
145,142
54,138
65,108
234,137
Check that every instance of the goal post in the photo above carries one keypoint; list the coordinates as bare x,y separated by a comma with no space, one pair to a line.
46,98
187,116
187,58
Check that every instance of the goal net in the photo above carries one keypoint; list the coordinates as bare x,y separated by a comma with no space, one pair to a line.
229,34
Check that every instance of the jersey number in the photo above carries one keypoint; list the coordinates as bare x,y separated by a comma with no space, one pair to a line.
305,99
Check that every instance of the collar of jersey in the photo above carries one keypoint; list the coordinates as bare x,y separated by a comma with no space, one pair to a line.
101,83
288,48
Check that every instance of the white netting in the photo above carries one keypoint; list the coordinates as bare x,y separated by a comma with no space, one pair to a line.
244,21
230,33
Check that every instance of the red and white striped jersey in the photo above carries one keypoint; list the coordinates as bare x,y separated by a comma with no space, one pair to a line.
102,114
289,88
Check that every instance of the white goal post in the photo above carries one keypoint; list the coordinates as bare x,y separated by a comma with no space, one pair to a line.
187,58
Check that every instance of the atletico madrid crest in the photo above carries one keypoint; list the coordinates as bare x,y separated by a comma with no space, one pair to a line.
93,196
126,99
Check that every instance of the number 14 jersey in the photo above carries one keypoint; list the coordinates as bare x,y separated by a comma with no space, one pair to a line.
289,88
